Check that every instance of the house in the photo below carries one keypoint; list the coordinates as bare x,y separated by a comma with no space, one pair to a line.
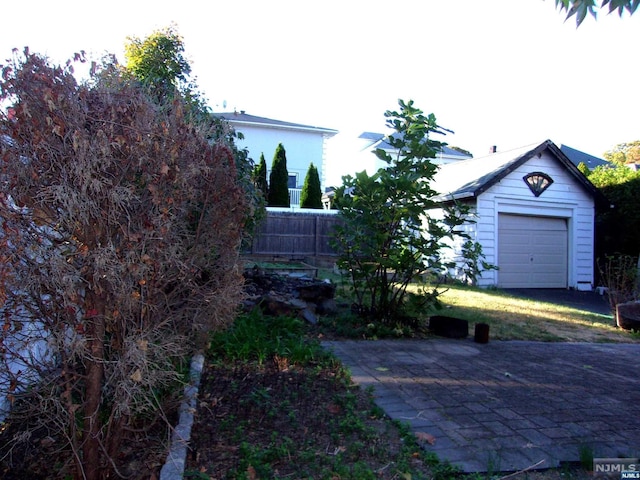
303,144
534,216
369,142
577,157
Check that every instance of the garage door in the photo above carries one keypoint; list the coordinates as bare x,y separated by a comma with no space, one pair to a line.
532,252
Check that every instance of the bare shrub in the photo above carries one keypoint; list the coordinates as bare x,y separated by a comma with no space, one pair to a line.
619,274
121,226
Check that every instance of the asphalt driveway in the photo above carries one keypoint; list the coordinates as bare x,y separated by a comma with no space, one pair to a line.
589,301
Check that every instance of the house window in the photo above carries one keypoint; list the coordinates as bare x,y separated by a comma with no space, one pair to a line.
537,182
293,180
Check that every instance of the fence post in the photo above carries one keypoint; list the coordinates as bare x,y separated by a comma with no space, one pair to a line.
316,236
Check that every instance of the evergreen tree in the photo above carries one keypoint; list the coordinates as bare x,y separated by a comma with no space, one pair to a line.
260,177
279,179
311,195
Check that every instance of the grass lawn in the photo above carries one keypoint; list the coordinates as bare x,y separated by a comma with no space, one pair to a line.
510,317
273,404
515,318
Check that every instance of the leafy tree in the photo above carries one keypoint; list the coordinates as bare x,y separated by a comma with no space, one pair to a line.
311,195
461,150
279,179
121,228
473,262
580,8
586,171
624,153
159,64
381,241
260,177
617,228
158,61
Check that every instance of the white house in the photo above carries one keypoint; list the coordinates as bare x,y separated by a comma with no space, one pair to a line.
534,216
369,142
578,157
303,145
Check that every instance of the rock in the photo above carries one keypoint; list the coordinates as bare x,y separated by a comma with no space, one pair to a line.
317,291
308,315
628,316
285,295
449,327
327,306
274,304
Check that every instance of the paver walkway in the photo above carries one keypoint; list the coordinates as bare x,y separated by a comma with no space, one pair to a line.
506,405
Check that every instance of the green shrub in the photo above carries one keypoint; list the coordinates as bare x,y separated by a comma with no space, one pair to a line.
618,222
381,237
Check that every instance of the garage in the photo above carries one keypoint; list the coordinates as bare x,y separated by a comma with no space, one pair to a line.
532,251
532,214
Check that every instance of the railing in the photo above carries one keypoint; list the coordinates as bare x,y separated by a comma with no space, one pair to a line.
294,196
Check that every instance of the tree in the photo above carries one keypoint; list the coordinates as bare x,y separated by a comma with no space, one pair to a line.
121,231
580,8
381,240
279,179
311,195
159,64
617,227
260,177
624,153
461,150
158,61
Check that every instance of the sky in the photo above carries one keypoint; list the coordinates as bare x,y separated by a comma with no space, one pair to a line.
496,72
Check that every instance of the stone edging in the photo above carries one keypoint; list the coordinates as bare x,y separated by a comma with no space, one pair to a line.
173,469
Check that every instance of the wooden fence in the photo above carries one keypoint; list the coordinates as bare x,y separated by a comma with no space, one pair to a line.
295,235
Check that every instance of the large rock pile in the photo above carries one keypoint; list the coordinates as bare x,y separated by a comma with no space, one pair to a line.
300,297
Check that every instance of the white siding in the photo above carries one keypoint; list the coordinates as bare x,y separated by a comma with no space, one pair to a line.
301,148
452,246
565,198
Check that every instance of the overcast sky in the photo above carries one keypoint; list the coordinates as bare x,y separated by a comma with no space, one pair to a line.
496,72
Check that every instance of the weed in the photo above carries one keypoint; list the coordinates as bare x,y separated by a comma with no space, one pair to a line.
256,337
190,474
493,463
261,396
586,455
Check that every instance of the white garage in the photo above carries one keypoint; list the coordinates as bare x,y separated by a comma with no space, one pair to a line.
534,216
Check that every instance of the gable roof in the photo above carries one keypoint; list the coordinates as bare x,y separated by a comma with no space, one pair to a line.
371,136
242,118
378,140
578,157
469,178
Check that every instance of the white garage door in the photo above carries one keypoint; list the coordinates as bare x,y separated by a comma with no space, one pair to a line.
532,252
